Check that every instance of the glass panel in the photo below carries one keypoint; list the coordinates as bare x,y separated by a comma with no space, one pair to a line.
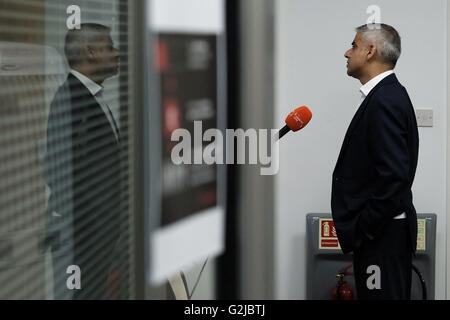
66,223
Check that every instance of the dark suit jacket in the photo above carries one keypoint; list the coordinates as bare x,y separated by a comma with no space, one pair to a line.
376,166
83,172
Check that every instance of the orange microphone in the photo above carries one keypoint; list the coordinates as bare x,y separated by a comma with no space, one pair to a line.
296,120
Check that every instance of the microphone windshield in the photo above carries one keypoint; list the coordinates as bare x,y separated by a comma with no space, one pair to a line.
298,118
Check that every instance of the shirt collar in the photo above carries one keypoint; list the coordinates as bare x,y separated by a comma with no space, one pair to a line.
365,89
93,87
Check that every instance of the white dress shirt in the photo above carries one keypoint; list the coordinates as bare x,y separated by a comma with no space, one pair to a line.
97,91
365,90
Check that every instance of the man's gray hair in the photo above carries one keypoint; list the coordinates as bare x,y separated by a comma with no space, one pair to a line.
77,38
386,38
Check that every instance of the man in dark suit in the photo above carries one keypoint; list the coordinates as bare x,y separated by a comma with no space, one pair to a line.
83,168
371,196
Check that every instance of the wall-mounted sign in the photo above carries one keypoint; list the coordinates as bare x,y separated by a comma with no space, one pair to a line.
327,235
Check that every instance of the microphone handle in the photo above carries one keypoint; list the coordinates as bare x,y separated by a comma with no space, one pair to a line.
283,131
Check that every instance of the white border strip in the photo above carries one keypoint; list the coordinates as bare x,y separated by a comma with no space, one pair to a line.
184,243
182,16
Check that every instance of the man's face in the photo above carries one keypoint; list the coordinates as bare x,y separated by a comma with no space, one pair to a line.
357,57
105,56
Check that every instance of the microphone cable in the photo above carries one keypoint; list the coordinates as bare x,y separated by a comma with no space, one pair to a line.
422,282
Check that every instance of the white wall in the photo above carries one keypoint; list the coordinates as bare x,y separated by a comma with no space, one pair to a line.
311,38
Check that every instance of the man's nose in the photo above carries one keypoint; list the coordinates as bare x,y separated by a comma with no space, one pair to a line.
116,53
346,54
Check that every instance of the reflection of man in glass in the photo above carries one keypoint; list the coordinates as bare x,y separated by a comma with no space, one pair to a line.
83,168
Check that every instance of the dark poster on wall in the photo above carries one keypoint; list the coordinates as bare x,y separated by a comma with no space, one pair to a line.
187,66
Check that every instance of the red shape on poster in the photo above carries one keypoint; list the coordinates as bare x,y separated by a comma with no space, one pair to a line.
161,57
171,116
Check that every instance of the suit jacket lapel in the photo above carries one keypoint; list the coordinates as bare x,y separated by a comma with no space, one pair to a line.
80,95
352,125
82,98
360,112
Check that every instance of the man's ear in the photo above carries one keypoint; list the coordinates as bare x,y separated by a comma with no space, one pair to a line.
371,51
88,51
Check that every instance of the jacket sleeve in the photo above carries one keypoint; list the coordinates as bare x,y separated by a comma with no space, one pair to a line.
387,135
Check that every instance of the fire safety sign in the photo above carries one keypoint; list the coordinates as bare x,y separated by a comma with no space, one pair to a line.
327,235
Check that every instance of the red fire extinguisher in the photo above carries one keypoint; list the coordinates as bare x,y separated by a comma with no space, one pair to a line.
342,291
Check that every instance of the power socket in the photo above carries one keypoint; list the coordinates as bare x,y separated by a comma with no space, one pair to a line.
424,117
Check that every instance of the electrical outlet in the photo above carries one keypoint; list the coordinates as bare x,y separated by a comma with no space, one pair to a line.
424,117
